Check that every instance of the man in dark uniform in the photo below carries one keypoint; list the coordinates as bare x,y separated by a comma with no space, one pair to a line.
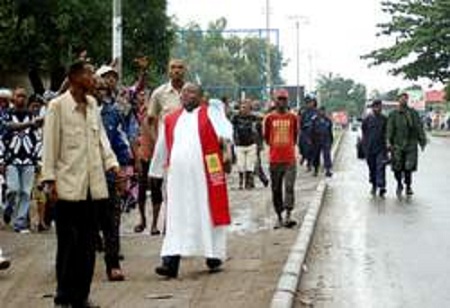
322,140
374,145
305,137
404,133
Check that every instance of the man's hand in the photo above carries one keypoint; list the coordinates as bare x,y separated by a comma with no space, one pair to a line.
50,188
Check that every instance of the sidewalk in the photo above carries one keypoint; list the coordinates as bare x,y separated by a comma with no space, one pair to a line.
256,256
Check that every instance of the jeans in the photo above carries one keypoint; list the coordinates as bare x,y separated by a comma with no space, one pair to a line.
279,173
19,180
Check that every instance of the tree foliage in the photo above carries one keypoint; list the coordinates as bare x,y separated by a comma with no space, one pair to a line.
226,62
337,93
44,33
421,29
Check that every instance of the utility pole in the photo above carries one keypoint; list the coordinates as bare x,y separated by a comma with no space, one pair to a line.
268,65
117,36
304,20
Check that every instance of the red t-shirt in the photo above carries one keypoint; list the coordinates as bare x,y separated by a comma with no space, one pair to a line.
280,133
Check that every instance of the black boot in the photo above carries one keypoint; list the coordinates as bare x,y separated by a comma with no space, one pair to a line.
170,267
214,265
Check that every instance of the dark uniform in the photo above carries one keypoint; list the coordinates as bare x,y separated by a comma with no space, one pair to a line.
375,149
404,133
305,138
322,140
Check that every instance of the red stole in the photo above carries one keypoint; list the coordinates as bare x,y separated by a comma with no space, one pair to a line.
212,159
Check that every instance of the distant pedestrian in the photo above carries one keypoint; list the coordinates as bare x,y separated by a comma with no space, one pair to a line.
76,156
280,133
322,141
375,148
307,117
404,134
245,140
191,145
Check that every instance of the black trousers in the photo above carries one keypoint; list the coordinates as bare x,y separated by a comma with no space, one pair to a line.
109,224
281,173
75,257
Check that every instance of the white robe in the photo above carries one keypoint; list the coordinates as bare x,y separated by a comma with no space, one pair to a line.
189,228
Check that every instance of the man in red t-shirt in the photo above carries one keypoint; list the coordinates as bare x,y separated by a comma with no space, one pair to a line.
280,133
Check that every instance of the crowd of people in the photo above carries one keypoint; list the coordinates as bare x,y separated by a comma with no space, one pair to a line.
79,158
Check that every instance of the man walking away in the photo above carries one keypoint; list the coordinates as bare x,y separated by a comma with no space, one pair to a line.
322,140
374,145
404,134
280,133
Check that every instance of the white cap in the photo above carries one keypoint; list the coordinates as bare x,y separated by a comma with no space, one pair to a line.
104,69
5,93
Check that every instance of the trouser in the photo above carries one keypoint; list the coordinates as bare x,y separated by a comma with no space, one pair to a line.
246,158
405,176
283,173
109,225
19,181
306,148
76,226
377,169
259,171
325,150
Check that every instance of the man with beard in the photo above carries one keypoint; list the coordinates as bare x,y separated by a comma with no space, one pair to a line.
191,144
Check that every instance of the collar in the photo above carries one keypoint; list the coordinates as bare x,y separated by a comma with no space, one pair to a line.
73,104
170,89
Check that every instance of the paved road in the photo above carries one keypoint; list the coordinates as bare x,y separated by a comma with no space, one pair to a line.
369,252
256,256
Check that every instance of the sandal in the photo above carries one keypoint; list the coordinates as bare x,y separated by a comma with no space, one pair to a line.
116,274
139,228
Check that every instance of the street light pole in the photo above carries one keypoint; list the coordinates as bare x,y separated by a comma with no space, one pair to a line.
297,26
117,36
268,66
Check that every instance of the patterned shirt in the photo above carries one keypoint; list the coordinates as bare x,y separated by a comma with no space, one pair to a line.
20,147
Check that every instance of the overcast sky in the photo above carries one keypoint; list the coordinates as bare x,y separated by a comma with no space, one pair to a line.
337,34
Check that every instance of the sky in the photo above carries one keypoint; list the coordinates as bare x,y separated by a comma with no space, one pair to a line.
332,34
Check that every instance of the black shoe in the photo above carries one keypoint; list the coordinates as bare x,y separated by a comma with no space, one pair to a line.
7,215
265,182
382,192
399,190
214,265
329,174
409,191
89,304
165,271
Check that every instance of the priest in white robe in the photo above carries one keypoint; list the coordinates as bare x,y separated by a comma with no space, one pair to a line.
191,149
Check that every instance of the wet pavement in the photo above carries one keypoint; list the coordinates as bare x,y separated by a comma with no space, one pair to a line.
256,256
369,252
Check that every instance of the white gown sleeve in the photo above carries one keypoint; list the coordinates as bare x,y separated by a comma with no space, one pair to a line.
222,126
159,156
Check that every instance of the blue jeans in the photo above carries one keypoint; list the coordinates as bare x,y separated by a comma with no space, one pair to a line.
19,180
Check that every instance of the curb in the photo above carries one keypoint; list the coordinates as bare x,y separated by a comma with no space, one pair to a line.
286,289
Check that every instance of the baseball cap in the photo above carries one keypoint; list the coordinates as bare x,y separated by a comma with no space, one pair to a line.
105,69
281,93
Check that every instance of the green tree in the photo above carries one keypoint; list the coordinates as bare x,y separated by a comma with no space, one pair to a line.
42,35
421,29
226,63
337,93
